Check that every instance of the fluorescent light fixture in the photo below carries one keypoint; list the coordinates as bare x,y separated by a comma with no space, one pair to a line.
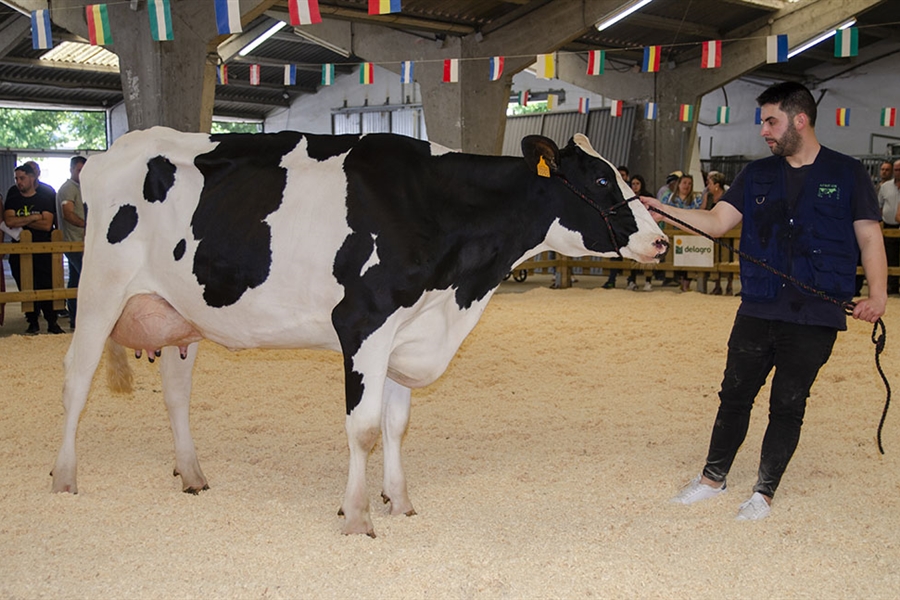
265,35
620,14
820,39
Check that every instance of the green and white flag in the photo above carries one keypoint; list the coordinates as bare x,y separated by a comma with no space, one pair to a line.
328,74
846,42
160,20
723,114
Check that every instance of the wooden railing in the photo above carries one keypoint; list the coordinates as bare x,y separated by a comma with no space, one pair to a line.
724,262
27,295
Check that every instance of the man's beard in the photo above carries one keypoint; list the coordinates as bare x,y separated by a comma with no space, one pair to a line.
789,142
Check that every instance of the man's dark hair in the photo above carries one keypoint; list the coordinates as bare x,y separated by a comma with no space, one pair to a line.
791,97
27,169
75,160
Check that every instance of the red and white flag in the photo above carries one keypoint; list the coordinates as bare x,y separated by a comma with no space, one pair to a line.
254,74
712,55
615,108
451,70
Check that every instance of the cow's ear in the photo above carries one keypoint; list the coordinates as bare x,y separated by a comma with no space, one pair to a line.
541,155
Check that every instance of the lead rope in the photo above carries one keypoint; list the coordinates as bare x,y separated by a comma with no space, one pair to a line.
879,333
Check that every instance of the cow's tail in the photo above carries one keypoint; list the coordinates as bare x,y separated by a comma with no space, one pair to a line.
118,372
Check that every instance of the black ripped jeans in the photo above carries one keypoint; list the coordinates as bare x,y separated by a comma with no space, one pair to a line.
797,352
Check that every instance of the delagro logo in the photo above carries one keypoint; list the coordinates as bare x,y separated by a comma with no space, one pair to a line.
682,248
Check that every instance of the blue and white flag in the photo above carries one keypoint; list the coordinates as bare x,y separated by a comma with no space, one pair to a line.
757,119
290,74
41,36
650,111
406,71
777,48
228,16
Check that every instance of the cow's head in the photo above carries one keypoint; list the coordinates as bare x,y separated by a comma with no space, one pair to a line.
594,201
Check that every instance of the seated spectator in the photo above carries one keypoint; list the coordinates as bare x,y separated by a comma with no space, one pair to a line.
684,196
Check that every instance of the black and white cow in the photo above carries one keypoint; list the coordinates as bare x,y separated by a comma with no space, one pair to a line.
377,246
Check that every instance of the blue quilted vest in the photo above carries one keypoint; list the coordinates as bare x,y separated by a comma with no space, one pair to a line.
815,242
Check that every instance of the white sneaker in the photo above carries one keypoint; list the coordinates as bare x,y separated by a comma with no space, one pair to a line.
648,287
754,509
631,286
696,491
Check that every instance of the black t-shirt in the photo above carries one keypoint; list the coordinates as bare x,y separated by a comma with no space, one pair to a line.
792,304
41,201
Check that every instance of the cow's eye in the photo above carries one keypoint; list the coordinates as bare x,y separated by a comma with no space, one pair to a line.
602,181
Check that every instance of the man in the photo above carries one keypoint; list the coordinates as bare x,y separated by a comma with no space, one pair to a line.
887,173
27,208
889,200
671,183
807,211
71,222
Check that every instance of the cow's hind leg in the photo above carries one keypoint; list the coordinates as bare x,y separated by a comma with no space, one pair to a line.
394,421
80,362
176,384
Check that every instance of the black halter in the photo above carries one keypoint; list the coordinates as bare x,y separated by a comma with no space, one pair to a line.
604,213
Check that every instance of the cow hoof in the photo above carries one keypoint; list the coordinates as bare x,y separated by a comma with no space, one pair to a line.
195,491
360,528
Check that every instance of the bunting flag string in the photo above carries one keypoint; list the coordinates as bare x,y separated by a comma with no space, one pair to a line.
888,116
496,67
777,48
255,72
712,55
383,7
546,66
228,16
723,115
290,74
596,60
584,105
650,111
41,34
304,12
328,74
222,74
686,113
160,20
615,108
846,42
406,71
366,73
842,117
651,59
99,32
451,70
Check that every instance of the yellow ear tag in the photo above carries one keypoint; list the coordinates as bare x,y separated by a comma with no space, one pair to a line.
542,169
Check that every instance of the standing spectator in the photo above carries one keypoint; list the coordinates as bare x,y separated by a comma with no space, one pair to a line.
27,208
715,188
684,196
889,199
639,187
804,202
71,222
886,173
614,273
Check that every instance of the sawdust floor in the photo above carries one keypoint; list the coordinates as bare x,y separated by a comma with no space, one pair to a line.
540,465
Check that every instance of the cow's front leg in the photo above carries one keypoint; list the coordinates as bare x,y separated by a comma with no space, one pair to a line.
394,421
176,385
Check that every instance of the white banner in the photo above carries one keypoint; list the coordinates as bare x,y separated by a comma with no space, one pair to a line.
693,251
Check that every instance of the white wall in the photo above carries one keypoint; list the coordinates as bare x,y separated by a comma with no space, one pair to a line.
312,112
865,91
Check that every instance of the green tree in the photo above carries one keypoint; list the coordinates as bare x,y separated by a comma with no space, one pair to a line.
236,127
52,129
